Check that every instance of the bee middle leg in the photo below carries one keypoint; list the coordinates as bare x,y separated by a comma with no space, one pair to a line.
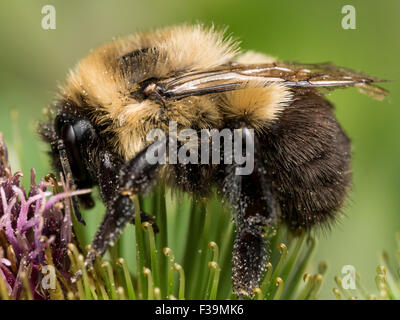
135,178
254,207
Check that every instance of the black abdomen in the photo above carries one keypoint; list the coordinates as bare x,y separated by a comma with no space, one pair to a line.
309,158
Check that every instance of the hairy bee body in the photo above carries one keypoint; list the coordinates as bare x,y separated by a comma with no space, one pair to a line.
105,84
123,89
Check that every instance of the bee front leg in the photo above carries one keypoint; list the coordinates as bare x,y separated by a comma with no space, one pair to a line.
135,178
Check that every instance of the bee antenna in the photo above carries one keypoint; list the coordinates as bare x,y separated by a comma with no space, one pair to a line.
68,176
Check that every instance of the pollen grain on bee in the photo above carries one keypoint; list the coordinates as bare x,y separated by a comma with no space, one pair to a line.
190,146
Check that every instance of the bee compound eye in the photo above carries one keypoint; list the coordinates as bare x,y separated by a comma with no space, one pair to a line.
82,130
68,134
69,137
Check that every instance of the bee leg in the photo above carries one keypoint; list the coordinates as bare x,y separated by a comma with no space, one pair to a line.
136,177
254,208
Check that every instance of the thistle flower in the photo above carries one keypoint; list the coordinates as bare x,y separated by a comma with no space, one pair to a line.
30,224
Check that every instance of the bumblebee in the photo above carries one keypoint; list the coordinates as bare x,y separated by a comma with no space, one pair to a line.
197,77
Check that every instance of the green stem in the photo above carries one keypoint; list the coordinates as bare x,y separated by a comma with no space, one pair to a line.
181,294
150,283
193,241
163,236
110,276
153,253
140,250
128,279
171,260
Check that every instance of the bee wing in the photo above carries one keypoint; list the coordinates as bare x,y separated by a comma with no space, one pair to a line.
291,74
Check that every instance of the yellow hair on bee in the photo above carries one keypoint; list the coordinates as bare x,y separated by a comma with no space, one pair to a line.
192,48
252,57
178,48
99,84
98,80
257,103
137,119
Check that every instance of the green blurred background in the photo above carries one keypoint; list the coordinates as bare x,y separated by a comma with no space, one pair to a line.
34,60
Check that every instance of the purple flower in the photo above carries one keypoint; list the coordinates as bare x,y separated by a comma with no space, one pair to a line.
30,223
